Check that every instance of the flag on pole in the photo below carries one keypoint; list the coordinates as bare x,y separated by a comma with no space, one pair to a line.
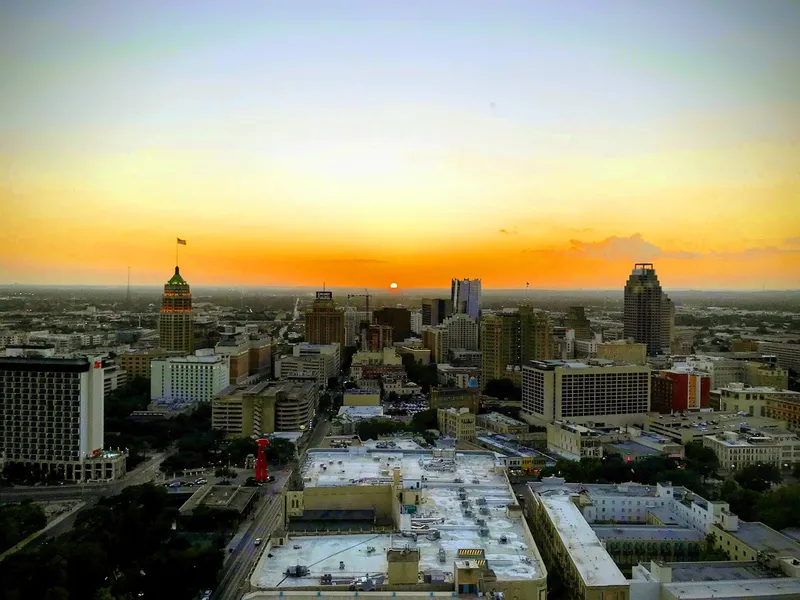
181,242
527,284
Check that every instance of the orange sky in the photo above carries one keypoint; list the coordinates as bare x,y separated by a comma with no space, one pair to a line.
482,150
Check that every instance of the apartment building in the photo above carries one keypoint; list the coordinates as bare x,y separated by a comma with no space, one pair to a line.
500,423
51,415
622,351
186,380
737,449
137,362
786,355
596,392
575,441
456,422
757,401
451,376
237,348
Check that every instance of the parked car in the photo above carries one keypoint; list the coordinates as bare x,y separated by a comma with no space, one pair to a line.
257,542
270,478
201,481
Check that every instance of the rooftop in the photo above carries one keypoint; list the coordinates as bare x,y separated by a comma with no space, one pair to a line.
497,417
594,564
718,571
360,412
647,533
765,539
505,540
784,587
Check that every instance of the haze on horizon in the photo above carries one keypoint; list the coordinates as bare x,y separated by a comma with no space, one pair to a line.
361,143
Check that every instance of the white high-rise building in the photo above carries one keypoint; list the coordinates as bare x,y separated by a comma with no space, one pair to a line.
465,295
51,415
185,380
416,321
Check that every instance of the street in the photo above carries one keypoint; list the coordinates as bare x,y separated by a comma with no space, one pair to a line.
240,561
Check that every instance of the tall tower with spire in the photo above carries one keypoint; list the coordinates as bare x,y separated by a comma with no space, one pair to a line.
175,332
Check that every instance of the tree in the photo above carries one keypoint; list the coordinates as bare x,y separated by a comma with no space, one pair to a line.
239,449
758,477
778,508
701,459
372,429
280,451
424,420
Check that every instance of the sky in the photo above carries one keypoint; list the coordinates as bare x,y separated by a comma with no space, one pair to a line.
361,143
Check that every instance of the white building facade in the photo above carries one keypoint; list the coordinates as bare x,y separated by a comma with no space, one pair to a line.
187,380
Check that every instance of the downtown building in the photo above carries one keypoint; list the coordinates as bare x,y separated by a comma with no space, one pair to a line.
465,297
180,382
51,417
324,322
436,310
596,392
649,314
511,338
175,330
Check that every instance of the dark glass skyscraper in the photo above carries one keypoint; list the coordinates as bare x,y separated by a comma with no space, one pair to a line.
649,313
465,295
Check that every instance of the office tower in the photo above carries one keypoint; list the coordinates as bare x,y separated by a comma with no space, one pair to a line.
577,321
324,323
462,332
435,340
398,318
416,321
354,321
180,381
436,310
465,296
585,392
51,415
648,310
379,337
175,332
500,344
535,335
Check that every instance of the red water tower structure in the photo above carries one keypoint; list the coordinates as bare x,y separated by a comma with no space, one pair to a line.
261,460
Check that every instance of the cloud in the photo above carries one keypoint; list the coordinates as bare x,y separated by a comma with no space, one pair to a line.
349,261
507,231
636,248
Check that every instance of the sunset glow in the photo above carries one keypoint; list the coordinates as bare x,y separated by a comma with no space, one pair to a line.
357,143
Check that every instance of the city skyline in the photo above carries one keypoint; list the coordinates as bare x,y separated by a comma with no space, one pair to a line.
365,144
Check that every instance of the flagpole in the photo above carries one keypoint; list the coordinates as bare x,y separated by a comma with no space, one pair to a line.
176,251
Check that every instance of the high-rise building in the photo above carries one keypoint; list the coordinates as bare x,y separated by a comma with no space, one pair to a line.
379,337
586,392
436,310
137,362
175,331
511,338
51,415
416,321
435,340
324,323
398,318
577,321
500,344
465,296
462,332
535,335
649,313
185,380
354,321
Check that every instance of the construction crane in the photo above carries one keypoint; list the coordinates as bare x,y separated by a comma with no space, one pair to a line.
366,295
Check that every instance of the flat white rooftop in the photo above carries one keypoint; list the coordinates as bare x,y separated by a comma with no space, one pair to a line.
785,587
439,523
591,559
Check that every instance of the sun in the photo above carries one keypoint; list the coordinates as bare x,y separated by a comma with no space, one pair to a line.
393,286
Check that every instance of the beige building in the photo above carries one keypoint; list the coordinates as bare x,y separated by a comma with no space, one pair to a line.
592,391
265,408
511,338
694,426
753,400
237,348
137,362
738,449
175,331
491,558
434,338
361,398
763,375
623,351
456,422
500,423
455,398
787,355
324,322
575,441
